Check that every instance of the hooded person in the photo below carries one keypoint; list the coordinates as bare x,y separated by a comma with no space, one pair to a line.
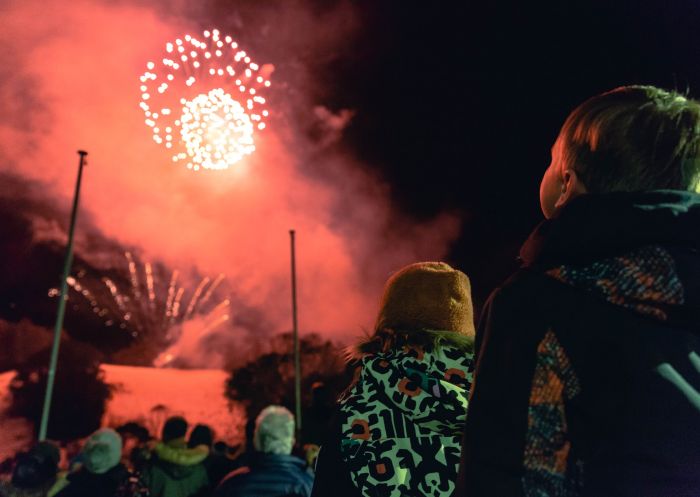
34,472
175,470
398,426
102,472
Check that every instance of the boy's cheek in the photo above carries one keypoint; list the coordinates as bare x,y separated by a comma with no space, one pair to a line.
549,192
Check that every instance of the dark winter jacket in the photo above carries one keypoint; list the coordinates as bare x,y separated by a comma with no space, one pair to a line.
218,466
9,490
268,475
176,471
117,482
399,427
588,372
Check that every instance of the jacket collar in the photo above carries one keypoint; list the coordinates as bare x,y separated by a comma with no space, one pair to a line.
261,459
593,226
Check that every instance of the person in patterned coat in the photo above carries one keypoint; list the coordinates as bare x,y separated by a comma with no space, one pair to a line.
398,426
588,372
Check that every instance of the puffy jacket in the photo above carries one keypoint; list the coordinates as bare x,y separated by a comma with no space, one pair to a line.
269,475
398,428
176,471
588,373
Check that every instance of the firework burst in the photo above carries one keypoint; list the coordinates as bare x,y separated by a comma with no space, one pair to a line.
205,100
153,303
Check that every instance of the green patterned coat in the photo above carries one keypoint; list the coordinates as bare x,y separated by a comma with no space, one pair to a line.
402,420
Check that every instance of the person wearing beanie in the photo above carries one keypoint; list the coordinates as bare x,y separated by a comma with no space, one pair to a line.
175,470
101,472
398,427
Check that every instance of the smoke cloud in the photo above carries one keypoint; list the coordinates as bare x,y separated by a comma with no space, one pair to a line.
69,79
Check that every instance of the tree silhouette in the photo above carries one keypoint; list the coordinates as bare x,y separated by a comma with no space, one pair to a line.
79,395
269,378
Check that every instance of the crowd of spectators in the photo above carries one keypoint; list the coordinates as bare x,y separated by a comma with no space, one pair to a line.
128,462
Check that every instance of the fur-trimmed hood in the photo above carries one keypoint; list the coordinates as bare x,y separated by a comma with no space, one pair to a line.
177,460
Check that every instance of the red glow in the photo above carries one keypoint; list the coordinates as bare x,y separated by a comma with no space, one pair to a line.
234,222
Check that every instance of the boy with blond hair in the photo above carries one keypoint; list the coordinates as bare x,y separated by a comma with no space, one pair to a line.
588,374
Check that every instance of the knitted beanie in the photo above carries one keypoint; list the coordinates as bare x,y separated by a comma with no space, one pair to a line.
102,451
427,296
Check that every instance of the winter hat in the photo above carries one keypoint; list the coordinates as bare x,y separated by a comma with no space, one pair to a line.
35,468
102,451
201,435
427,296
175,427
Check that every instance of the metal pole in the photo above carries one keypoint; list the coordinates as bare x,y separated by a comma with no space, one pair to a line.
61,305
295,329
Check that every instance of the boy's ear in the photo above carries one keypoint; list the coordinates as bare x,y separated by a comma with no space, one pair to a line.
571,187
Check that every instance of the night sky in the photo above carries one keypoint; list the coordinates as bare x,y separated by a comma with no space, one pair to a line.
460,102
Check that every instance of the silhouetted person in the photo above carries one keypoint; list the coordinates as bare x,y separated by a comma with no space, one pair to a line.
218,463
34,472
135,438
201,435
318,416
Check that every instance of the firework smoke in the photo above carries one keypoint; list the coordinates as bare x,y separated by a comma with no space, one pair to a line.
149,308
71,75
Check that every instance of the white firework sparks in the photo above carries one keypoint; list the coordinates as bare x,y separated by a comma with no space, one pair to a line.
205,100
147,305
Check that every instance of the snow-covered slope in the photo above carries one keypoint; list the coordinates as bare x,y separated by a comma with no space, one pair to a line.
15,433
148,396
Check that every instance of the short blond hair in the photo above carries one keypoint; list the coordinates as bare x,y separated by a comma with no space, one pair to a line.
633,138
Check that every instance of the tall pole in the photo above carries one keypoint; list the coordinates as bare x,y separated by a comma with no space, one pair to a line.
61,304
295,329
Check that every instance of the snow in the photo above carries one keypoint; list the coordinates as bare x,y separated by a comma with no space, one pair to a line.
148,396
151,395
15,433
